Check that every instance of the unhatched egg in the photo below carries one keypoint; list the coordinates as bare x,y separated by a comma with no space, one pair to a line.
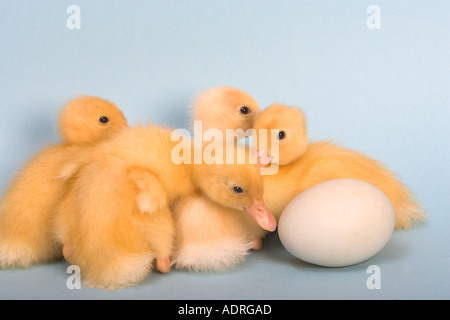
337,223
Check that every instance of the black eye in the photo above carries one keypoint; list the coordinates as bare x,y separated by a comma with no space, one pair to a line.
103,119
238,189
245,110
281,135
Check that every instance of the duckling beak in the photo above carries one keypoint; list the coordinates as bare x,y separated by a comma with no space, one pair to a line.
262,159
262,215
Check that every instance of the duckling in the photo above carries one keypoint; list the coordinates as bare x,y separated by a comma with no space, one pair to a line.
223,108
28,204
303,164
116,218
210,236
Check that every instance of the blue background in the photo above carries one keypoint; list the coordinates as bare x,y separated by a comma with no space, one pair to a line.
382,92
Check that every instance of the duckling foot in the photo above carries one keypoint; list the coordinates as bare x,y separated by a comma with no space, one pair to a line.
257,244
163,265
66,251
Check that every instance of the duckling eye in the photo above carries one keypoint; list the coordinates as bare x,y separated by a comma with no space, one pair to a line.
281,135
237,189
245,110
103,119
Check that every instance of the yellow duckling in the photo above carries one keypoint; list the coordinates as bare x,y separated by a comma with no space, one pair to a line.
29,203
210,236
224,108
303,164
116,219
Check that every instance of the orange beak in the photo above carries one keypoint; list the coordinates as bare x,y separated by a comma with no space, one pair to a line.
262,215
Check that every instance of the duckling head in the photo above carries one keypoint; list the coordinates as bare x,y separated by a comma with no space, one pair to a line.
225,108
291,135
236,183
90,119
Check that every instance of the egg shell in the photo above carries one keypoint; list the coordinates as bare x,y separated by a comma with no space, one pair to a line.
337,223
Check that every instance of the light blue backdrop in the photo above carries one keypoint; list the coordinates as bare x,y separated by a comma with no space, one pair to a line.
384,92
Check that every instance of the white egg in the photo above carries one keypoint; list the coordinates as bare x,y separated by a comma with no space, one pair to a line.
337,223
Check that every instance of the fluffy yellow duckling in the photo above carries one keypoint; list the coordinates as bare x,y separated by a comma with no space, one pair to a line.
29,202
224,108
210,236
303,164
116,218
